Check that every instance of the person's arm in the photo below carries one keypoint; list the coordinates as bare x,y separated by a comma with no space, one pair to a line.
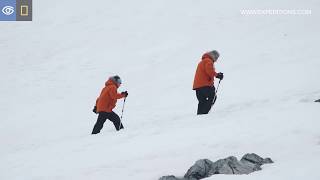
210,70
114,94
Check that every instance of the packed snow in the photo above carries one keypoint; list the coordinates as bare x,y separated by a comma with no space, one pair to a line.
52,70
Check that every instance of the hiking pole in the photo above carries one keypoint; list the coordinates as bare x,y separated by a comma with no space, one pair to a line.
124,102
215,96
218,87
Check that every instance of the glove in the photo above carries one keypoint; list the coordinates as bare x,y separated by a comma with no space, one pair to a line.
220,75
125,93
95,109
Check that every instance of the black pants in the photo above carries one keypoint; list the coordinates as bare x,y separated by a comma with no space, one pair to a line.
103,116
206,98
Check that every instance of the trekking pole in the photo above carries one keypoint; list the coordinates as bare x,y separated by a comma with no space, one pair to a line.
218,87
124,102
215,96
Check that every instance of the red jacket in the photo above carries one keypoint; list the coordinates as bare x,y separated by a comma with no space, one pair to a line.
205,73
108,97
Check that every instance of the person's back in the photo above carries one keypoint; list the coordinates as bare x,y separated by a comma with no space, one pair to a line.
205,73
203,82
108,97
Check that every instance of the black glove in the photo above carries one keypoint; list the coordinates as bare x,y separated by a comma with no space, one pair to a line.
125,93
95,109
220,75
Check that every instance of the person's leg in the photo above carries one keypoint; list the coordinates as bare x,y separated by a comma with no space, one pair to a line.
113,117
206,96
201,96
99,124
208,100
211,93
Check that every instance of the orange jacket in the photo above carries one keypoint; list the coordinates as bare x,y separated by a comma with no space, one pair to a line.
108,97
205,73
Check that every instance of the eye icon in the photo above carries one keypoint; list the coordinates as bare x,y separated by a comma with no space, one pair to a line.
8,10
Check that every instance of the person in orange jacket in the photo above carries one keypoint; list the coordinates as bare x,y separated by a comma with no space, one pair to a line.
203,82
106,102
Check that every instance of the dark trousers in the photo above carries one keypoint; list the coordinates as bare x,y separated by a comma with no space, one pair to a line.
103,116
206,98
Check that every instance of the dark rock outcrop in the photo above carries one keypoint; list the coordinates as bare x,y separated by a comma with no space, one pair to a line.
255,159
317,100
169,178
231,165
205,168
172,178
201,169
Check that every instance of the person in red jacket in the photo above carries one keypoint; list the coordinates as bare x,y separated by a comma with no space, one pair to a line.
203,82
106,102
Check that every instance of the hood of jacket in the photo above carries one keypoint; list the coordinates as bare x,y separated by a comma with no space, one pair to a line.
207,55
110,82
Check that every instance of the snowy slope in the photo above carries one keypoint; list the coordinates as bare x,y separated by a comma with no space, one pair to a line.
52,70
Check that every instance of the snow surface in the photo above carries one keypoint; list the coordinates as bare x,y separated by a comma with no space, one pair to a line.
52,70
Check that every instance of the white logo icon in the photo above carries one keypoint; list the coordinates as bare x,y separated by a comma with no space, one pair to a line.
8,10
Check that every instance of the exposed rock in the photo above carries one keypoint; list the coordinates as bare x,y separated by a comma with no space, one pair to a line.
317,100
169,178
200,169
231,165
205,168
255,159
172,178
